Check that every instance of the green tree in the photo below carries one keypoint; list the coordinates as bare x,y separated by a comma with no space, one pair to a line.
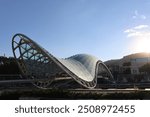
145,68
127,64
127,70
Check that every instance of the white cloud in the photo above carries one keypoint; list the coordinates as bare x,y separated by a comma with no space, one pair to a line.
137,15
143,17
129,31
134,34
141,27
140,30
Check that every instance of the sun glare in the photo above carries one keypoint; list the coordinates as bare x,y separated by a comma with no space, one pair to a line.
142,45
140,38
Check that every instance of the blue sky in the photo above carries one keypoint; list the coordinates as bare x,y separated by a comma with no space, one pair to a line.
107,29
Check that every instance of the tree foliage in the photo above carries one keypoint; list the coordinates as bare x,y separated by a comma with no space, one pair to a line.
127,70
145,68
8,66
127,64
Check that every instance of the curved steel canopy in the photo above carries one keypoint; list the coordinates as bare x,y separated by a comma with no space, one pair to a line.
37,63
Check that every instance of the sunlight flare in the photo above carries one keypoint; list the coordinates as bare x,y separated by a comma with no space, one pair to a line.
140,36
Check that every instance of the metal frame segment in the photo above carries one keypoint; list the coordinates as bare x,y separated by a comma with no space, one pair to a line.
47,58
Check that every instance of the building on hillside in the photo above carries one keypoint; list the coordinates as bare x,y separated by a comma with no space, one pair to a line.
136,63
129,64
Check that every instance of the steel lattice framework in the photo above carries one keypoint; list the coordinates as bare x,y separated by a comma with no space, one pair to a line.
37,63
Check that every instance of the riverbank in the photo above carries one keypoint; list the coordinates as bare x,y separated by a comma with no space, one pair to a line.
54,94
